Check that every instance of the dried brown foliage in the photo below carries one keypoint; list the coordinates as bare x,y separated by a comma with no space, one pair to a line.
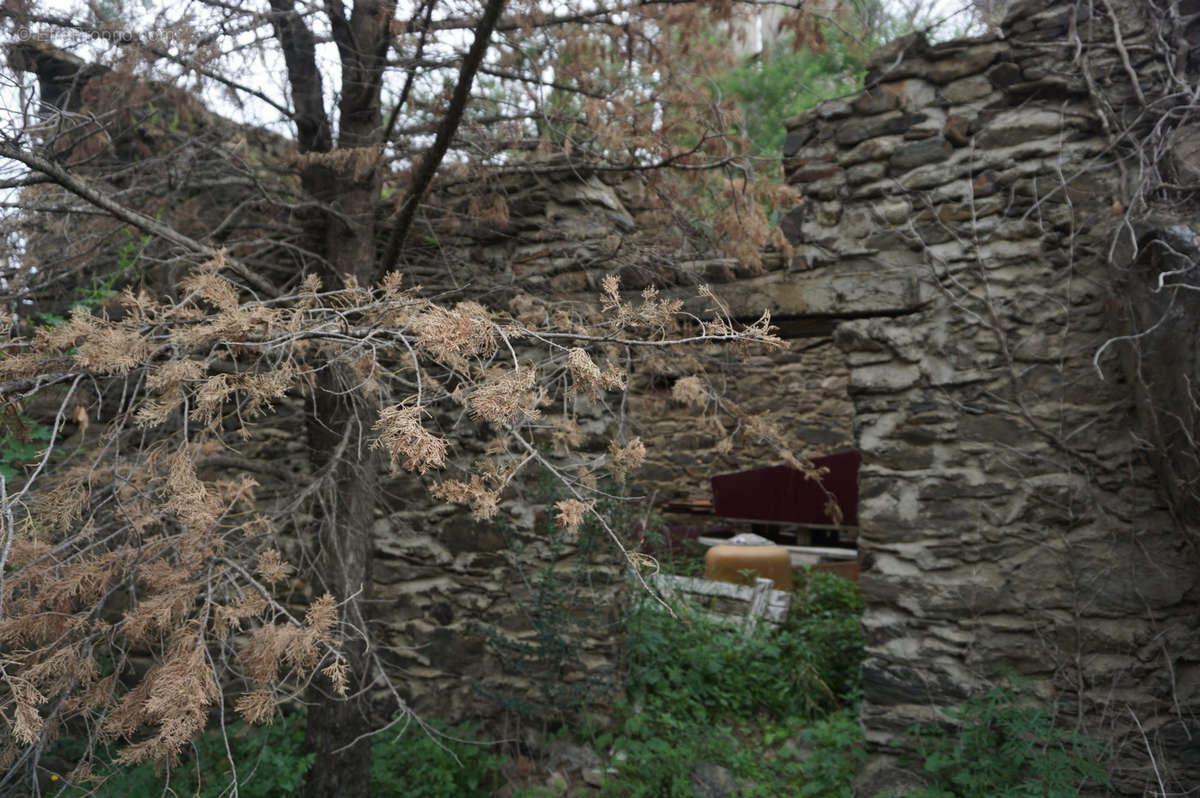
147,576
144,555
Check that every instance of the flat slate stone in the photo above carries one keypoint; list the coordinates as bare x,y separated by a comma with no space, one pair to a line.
856,130
926,151
968,62
876,101
865,173
833,109
810,174
1019,126
795,140
912,93
875,149
1004,74
957,130
967,89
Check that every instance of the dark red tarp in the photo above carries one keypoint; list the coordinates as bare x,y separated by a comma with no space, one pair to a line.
781,493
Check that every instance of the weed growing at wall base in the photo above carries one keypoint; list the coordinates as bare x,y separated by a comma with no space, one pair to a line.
805,669
835,754
561,607
1007,744
776,708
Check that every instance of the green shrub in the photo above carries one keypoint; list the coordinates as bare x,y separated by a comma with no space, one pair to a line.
772,87
432,764
837,753
764,758
700,691
657,762
827,622
1007,744
692,666
271,763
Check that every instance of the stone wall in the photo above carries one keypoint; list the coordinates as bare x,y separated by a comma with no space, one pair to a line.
953,279
480,622
510,618
1011,518
484,619
800,388
562,231
954,276
459,598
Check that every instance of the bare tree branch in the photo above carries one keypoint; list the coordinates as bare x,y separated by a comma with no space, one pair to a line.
300,56
433,158
141,221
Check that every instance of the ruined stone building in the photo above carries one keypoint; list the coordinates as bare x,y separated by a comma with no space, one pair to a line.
992,294
992,220
980,300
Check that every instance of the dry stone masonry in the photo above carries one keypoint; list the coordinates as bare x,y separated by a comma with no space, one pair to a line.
959,264
480,618
975,301
461,602
970,208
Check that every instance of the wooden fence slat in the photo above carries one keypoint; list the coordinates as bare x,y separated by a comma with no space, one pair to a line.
758,603
762,601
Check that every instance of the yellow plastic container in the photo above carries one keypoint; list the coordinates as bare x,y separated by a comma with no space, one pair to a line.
729,563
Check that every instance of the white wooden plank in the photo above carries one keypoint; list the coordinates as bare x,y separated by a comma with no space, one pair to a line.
733,621
775,598
775,615
704,587
825,552
762,602
758,603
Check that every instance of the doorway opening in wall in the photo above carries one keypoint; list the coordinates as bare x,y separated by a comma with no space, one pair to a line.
780,504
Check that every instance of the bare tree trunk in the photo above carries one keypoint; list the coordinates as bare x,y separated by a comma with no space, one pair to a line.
336,438
345,237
